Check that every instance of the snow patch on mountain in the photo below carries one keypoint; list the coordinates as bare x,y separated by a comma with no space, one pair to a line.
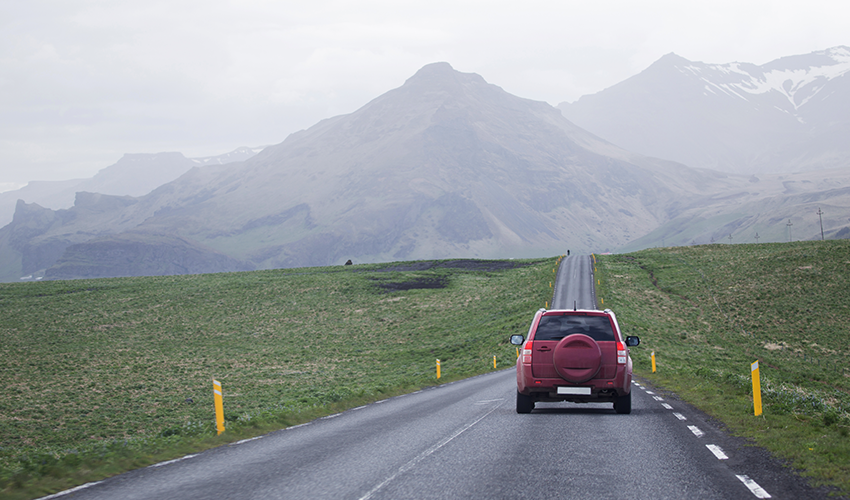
798,85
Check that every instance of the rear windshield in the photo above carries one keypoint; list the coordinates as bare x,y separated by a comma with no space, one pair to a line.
558,327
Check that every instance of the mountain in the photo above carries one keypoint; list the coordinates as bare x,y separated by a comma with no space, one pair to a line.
791,114
132,175
446,165
816,204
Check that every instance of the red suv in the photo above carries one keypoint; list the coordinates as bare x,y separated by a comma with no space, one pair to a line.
574,355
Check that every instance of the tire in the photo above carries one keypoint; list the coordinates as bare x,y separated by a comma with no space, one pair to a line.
577,358
623,404
524,404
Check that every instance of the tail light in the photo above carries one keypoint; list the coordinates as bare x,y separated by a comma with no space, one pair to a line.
526,353
621,353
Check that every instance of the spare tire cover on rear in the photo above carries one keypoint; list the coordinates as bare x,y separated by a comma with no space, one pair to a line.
577,358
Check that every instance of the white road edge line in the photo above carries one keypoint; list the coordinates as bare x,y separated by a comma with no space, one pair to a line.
718,452
63,493
665,405
173,461
680,416
246,440
409,465
650,392
658,398
696,430
757,490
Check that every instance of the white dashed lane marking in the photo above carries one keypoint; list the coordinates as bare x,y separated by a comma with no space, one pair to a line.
696,430
757,490
718,452
754,488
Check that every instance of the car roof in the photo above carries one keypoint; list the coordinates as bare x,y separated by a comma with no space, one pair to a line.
595,312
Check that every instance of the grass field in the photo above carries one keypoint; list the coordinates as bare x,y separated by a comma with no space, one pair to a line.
100,376
709,311
103,375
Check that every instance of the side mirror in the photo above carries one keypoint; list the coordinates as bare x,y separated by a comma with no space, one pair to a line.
632,341
517,339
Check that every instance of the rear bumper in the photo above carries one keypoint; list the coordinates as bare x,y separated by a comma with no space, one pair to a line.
601,390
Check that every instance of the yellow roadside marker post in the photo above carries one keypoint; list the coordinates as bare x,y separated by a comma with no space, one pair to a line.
219,406
517,352
494,362
438,368
754,368
653,361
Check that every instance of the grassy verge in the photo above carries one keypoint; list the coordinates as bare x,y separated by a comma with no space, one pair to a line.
101,376
709,311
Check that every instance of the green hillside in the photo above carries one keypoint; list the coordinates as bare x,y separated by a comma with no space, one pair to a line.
710,311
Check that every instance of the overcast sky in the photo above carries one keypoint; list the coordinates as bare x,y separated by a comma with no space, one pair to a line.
84,81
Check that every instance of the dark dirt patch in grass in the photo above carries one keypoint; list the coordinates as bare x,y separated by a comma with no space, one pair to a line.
414,284
464,264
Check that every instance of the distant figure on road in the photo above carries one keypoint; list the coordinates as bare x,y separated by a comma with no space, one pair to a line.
568,253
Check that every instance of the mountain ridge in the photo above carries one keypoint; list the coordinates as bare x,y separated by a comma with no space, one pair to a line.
134,174
786,115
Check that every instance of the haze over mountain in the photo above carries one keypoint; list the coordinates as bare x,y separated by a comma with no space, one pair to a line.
445,166
132,175
789,115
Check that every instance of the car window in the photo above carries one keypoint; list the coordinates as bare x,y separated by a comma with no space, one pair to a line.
557,327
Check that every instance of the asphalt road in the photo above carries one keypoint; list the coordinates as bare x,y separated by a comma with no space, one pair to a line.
465,440
574,285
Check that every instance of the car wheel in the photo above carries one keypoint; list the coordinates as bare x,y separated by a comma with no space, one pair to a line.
623,404
524,404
